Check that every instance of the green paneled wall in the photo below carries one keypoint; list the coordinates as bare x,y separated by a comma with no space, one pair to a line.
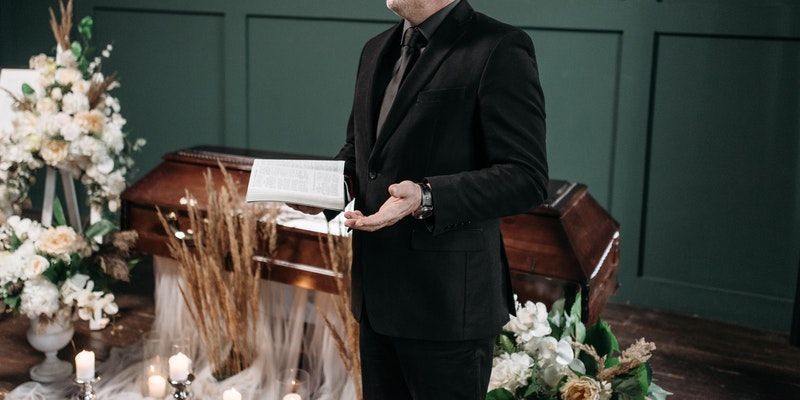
682,116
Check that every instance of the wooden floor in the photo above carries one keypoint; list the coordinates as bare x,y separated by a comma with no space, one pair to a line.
696,359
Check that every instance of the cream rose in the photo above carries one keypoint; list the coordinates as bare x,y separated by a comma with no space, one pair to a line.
585,388
59,241
54,151
46,105
80,86
66,76
91,121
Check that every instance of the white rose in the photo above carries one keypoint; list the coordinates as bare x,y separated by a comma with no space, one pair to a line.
65,57
75,102
106,165
70,131
66,76
39,61
36,265
510,371
46,80
39,297
529,323
56,94
80,86
46,105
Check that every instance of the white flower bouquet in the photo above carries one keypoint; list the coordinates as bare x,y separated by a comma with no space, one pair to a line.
50,272
551,355
68,120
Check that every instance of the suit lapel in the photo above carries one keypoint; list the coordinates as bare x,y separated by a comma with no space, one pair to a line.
451,29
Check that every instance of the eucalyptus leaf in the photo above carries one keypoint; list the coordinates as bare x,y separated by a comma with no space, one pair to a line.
500,394
577,305
657,392
77,49
58,213
100,228
27,90
85,27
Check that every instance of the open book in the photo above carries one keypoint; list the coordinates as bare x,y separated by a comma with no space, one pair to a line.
315,183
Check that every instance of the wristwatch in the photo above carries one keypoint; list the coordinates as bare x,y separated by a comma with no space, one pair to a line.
425,209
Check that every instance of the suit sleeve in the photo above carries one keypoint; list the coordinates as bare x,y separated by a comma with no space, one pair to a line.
348,151
512,122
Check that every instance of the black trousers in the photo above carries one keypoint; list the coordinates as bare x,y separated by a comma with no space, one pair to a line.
413,369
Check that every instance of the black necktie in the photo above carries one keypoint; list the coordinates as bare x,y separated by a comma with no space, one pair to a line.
413,42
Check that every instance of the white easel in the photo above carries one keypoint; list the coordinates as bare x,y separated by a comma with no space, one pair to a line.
68,184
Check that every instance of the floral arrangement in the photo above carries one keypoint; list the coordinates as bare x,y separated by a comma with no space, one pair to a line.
70,122
53,272
551,355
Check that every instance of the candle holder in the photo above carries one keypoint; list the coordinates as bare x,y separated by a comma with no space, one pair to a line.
86,388
182,388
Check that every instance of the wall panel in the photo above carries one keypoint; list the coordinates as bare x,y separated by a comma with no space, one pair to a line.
723,182
170,66
301,79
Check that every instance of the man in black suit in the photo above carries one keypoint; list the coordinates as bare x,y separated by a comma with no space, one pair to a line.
446,136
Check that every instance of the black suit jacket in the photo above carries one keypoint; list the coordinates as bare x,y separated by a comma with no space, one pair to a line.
469,119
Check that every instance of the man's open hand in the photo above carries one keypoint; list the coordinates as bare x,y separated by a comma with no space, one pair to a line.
405,198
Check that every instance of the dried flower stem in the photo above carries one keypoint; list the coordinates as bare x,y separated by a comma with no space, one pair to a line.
61,30
221,281
337,254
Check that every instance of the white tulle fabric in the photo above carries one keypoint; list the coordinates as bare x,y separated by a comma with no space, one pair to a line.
290,324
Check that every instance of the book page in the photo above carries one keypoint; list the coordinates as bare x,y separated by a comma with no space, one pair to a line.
316,183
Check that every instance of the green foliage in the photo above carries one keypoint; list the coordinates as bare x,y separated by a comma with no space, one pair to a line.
500,394
602,339
14,242
657,392
58,213
100,228
85,28
633,386
506,342
77,49
27,90
12,302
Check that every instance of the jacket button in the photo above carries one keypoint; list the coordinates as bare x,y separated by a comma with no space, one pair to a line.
373,175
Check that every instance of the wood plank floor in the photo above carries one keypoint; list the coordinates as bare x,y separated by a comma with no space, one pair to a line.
696,359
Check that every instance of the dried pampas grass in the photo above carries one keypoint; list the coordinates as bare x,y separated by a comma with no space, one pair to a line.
61,29
337,252
221,281
630,358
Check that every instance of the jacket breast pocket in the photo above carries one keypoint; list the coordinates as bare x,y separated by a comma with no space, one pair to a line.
458,240
441,95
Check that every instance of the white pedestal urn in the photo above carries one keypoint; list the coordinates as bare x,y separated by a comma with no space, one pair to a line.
49,337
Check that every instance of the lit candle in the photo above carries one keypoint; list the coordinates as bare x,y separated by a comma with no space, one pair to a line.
156,386
84,365
292,396
231,394
179,366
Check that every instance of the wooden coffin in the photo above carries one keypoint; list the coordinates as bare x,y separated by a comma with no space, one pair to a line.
555,250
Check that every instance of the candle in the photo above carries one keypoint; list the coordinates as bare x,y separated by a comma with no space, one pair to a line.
156,386
231,394
84,365
292,396
179,366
